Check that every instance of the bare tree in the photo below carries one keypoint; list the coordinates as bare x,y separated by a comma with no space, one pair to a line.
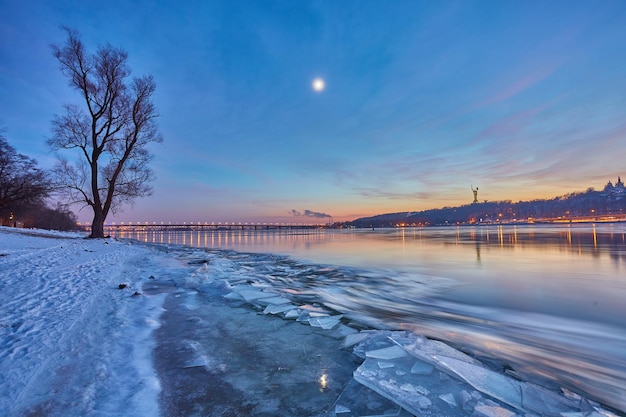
110,132
22,183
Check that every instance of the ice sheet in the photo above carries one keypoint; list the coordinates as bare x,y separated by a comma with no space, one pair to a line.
401,366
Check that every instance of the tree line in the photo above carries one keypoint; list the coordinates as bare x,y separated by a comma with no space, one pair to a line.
25,190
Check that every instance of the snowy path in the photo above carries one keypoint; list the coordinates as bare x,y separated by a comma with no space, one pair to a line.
69,340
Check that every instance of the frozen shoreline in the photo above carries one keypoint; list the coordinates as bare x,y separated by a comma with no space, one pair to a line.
73,343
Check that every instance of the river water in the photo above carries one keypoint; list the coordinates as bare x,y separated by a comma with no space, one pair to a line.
548,303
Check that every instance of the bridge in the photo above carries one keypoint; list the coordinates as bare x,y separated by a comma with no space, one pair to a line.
154,226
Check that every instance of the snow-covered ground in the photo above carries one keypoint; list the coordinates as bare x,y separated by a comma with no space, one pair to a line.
196,332
71,342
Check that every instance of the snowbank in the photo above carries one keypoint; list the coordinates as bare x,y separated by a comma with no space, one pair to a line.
73,343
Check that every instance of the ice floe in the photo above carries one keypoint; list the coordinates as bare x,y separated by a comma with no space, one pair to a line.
418,375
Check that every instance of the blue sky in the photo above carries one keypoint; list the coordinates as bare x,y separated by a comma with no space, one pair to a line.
523,99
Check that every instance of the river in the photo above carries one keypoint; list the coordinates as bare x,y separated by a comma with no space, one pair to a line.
548,301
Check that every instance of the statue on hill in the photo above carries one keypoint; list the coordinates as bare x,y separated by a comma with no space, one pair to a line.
475,191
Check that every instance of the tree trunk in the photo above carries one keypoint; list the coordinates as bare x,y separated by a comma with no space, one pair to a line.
97,226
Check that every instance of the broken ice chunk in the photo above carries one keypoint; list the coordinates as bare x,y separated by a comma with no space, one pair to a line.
353,339
392,352
422,368
426,349
465,399
233,296
325,322
273,300
483,410
376,339
357,400
340,410
539,399
485,380
303,316
424,402
448,398
318,314
414,389
314,309
410,396
252,295
277,309
385,365
292,314
342,331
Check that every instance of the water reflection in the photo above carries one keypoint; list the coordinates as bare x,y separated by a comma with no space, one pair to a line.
323,381
397,248
564,270
549,299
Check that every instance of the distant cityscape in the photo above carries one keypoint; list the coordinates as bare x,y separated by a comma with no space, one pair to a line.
608,205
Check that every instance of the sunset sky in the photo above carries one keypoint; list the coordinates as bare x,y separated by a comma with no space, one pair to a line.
420,100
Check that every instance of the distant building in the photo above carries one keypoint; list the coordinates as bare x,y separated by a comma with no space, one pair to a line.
617,190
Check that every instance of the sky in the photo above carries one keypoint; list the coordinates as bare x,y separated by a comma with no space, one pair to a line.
422,100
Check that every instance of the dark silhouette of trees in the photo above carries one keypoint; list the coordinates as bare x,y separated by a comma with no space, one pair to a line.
22,184
43,217
24,189
109,133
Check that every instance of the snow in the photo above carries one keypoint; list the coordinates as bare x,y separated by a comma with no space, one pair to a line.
73,343
197,332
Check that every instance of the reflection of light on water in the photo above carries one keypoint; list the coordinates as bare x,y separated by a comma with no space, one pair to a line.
323,381
569,235
595,238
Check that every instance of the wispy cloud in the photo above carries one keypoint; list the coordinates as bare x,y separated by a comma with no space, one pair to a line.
524,82
371,192
510,126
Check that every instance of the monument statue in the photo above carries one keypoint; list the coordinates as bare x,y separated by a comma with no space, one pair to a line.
475,191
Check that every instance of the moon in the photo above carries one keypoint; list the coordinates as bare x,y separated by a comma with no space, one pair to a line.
318,84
